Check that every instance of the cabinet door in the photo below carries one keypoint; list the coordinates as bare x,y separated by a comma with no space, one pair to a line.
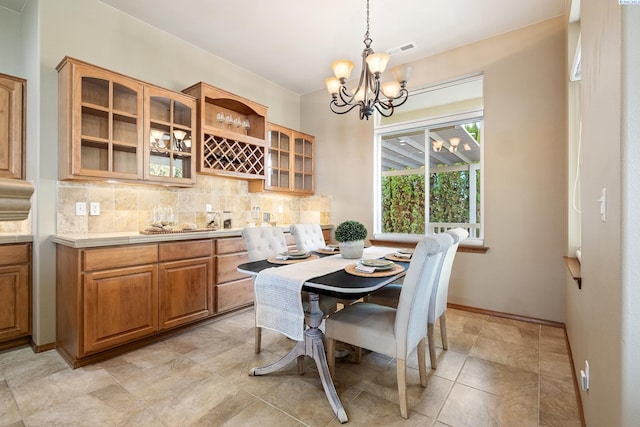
12,107
302,163
15,319
279,149
120,305
169,131
106,111
184,291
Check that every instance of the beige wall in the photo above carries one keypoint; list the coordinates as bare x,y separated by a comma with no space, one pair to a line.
602,318
525,172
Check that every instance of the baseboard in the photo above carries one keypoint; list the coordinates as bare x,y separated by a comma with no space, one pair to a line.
43,347
507,315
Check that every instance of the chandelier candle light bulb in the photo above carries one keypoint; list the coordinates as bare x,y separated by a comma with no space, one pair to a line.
370,94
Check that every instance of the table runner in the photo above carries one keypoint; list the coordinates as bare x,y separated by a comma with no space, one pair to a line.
277,291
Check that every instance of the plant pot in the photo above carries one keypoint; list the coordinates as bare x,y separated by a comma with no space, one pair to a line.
352,250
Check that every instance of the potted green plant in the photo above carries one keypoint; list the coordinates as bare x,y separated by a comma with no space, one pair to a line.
350,236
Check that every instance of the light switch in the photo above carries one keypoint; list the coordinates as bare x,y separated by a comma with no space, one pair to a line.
603,205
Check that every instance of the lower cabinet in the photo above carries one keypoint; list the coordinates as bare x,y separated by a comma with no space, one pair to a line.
110,299
15,294
233,289
185,280
119,306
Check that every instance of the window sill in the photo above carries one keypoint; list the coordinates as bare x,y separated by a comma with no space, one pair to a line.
411,243
574,268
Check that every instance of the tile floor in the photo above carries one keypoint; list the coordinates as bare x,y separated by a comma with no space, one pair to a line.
497,372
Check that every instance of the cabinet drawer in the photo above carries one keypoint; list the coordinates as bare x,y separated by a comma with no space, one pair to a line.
122,256
226,267
14,254
230,245
234,294
185,250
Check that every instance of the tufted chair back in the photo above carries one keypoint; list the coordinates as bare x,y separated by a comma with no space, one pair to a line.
308,237
263,242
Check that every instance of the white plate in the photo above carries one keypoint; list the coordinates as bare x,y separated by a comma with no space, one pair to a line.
379,264
297,254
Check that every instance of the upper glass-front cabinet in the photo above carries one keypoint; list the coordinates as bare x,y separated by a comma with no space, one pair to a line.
168,138
100,124
289,162
115,127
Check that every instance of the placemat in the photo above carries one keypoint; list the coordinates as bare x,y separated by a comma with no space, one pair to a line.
351,269
274,260
326,252
392,257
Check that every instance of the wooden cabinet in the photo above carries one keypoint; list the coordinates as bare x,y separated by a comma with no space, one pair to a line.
290,159
185,282
233,289
169,125
100,123
119,305
12,125
15,294
105,124
231,133
120,289
114,298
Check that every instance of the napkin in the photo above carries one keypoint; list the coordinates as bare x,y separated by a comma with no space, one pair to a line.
331,248
402,255
365,269
282,257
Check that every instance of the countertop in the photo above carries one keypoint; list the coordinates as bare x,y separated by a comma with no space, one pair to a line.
15,238
89,240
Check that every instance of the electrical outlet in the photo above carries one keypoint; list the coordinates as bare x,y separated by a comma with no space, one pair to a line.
81,208
94,208
208,208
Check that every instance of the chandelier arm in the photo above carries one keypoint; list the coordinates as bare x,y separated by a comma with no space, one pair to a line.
345,96
383,112
334,105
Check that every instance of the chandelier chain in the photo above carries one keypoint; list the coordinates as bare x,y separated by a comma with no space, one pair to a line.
366,35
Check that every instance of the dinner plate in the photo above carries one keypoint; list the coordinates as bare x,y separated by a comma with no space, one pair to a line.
405,251
297,254
379,264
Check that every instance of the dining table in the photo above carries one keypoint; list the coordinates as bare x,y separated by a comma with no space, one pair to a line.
334,276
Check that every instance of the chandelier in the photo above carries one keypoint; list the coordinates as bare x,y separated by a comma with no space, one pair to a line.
370,93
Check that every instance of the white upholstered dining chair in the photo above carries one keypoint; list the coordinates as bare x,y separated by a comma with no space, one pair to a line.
395,332
389,296
308,237
265,242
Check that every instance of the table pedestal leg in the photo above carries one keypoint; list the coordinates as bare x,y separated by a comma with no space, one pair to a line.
313,347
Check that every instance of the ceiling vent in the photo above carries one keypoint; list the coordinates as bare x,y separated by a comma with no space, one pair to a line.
400,49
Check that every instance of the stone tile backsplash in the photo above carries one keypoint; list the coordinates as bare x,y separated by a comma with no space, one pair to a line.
129,207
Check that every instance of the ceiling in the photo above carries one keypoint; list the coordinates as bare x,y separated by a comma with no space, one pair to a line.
294,42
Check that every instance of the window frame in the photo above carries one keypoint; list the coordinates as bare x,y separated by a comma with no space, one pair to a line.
425,124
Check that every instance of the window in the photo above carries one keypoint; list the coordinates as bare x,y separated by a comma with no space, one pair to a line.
429,160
